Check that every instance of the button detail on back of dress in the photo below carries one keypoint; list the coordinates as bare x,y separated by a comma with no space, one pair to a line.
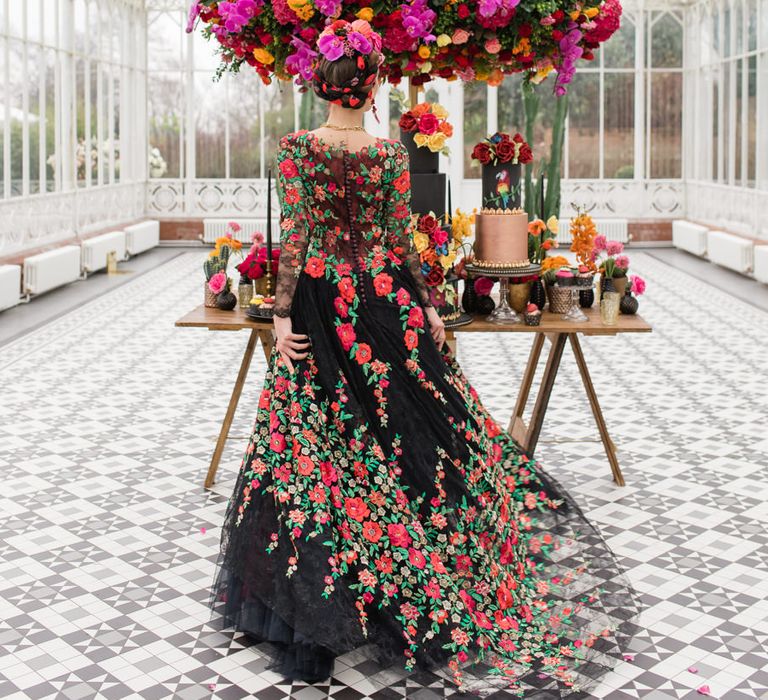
352,232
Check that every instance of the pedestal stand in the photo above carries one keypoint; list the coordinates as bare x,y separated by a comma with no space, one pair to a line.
504,313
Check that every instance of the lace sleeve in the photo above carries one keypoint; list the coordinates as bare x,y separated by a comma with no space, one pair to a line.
293,226
397,210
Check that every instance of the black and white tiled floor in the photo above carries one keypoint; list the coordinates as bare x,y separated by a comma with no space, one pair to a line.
107,538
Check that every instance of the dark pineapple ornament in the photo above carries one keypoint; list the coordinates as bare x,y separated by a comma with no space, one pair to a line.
469,297
538,295
226,300
628,304
586,298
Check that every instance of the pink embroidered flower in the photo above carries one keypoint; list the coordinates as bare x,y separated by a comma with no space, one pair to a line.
398,535
288,168
356,509
416,558
403,297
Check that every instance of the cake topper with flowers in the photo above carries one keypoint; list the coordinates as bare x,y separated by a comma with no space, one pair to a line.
420,39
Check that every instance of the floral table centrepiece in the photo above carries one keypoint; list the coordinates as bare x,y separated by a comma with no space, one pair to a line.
502,157
215,267
424,129
629,304
253,268
549,268
421,39
542,237
611,263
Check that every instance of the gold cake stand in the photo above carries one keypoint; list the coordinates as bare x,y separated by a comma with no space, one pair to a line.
504,313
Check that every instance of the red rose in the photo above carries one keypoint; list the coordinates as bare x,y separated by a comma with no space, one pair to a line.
428,123
408,122
435,276
505,151
463,11
428,223
557,35
483,286
558,15
526,154
524,30
347,336
482,152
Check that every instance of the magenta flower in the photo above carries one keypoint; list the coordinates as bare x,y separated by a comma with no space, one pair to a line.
638,284
329,8
614,248
257,238
194,11
301,62
331,46
418,20
358,42
622,261
570,52
217,283
483,286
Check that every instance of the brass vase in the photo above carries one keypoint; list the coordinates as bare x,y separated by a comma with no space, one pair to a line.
519,293
210,297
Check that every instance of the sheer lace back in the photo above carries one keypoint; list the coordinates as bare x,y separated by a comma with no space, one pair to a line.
342,206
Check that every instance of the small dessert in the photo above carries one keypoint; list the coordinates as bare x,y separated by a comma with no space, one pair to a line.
261,306
532,315
583,277
565,278
268,303
257,300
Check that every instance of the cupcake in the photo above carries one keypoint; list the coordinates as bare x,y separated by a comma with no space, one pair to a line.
267,303
565,278
583,277
532,315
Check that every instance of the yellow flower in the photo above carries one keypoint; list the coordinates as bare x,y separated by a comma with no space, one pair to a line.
436,141
553,224
541,74
420,139
427,67
420,241
424,51
305,12
365,13
439,111
263,56
443,40
592,12
447,260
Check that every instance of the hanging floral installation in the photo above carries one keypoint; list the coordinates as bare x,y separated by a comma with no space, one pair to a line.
421,39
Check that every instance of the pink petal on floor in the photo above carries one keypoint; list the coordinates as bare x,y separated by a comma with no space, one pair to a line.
211,686
629,657
202,529
542,675
693,669
703,690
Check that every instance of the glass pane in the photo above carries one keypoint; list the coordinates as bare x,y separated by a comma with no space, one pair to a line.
105,33
81,27
33,19
115,135
752,25
245,93
619,52
511,115
764,25
666,125
278,115
727,21
2,113
738,19
49,23
738,107
164,41
33,83
619,143
715,106
475,124
165,105
752,121
725,121
205,52
210,125
50,118
16,85
395,111
762,147
80,135
666,42
584,126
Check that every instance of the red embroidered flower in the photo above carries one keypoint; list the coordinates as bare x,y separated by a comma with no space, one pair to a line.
363,353
398,535
346,288
411,339
382,283
402,182
356,509
341,306
277,442
403,297
372,533
305,465
346,333
417,558
315,267
433,589
416,317
328,473
288,168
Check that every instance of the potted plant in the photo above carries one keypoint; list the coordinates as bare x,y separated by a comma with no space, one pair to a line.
612,264
629,303
424,129
502,157
253,270
215,268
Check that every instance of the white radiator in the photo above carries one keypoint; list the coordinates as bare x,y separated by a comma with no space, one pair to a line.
690,237
612,229
51,269
761,263
96,249
142,236
731,251
214,228
10,286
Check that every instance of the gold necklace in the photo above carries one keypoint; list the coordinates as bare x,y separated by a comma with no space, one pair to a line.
342,128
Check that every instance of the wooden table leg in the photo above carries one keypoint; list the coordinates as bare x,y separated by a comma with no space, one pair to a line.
545,391
610,448
517,428
267,341
233,400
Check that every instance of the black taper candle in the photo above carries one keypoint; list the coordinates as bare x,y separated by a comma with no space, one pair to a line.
449,213
269,214
541,210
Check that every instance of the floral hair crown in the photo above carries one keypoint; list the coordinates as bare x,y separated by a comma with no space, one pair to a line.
342,38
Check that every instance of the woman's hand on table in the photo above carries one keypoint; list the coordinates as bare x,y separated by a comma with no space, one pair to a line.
290,345
436,325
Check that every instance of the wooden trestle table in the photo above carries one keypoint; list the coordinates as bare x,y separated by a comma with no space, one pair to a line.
552,328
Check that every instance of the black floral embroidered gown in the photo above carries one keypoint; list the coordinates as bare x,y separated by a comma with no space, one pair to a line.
378,503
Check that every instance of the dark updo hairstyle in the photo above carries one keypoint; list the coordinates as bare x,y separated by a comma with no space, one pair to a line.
348,80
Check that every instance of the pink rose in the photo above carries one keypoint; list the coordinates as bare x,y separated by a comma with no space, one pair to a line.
638,284
428,123
493,45
460,36
217,283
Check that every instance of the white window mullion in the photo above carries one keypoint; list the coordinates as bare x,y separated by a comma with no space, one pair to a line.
640,87
24,103
42,122
262,133
601,120
492,108
228,100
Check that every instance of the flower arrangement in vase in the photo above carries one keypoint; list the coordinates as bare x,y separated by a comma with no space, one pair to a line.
254,265
629,304
583,234
502,157
542,237
427,125
217,282
612,264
